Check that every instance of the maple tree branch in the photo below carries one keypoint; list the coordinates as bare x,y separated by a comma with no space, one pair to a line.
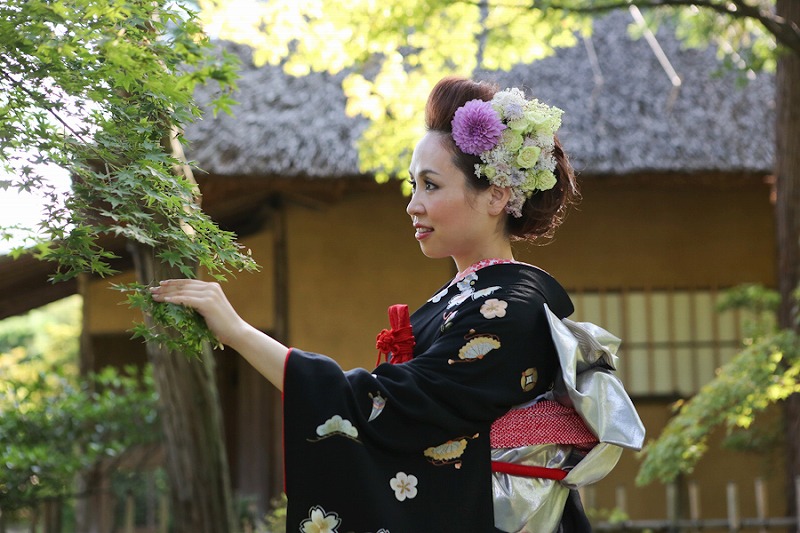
785,31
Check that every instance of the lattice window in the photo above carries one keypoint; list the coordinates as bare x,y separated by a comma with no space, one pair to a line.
672,340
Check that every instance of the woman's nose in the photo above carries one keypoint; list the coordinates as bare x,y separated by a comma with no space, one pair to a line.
414,207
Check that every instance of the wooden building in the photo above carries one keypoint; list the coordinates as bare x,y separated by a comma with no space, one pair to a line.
676,208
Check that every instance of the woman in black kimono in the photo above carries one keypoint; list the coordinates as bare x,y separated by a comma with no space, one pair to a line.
405,448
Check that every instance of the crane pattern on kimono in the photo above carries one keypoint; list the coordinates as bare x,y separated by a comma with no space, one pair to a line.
466,288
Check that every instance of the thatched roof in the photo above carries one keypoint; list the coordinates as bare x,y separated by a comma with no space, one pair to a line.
283,126
633,121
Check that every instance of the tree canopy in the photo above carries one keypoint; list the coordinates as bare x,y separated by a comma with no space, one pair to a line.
103,90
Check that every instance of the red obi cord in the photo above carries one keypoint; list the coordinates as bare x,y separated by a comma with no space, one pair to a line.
398,341
528,471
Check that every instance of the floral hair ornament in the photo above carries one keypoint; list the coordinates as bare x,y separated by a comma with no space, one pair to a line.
514,138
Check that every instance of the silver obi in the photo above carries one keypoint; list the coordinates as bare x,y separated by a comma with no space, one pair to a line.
587,383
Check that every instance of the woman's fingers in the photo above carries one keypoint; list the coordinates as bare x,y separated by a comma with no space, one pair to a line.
172,290
207,298
266,354
201,295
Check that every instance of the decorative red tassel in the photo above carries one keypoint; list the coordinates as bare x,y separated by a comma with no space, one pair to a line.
397,341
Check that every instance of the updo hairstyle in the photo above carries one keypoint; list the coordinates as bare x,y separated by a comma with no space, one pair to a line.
544,211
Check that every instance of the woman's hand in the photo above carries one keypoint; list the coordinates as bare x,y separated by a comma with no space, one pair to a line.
207,299
267,355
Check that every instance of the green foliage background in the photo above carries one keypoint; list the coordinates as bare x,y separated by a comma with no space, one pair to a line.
55,423
764,373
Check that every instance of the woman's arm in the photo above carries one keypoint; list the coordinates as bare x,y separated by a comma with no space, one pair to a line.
267,355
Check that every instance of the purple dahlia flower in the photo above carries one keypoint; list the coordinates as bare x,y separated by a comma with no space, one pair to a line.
477,127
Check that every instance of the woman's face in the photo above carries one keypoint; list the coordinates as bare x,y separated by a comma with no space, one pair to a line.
450,219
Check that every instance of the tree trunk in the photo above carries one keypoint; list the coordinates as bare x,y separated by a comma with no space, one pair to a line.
787,174
197,466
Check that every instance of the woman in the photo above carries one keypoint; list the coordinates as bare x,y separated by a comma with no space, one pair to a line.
405,448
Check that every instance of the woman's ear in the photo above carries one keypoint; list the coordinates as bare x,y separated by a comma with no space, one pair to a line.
498,198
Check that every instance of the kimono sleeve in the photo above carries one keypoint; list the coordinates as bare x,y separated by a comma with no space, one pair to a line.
489,355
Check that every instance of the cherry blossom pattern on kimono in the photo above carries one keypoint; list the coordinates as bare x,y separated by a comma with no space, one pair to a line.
404,486
319,521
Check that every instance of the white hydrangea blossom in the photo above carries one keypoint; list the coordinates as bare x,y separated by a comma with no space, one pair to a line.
513,162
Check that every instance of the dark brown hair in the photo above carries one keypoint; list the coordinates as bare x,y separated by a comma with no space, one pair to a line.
544,211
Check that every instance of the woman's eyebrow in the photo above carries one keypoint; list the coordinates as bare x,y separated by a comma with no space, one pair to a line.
423,172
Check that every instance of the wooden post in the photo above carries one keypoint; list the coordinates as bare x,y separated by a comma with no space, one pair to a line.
587,494
621,500
52,515
733,508
671,499
35,519
694,504
163,513
761,504
130,512
797,502
672,507
151,497
280,303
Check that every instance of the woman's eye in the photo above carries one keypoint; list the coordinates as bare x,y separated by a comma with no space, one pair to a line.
427,184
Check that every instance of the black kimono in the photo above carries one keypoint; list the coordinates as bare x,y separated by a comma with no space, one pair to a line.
405,448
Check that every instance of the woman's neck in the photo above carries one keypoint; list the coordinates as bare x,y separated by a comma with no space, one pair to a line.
463,264
479,265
